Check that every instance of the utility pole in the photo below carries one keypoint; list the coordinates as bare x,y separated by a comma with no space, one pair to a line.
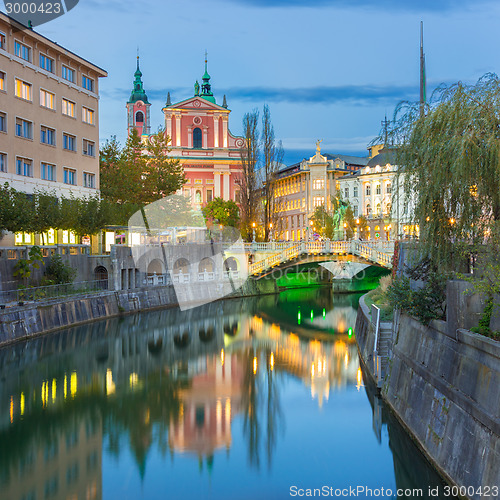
422,71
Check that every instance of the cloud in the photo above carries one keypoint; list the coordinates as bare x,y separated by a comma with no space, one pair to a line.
349,94
390,5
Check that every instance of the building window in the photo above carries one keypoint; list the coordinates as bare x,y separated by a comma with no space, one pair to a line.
69,142
2,80
47,99
69,176
379,208
388,188
2,40
210,195
47,135
3,162
355,210
318,184
139,117
368,209
346,192
197,138
68,108
46,63
318,201
88,83
88,180
3,122
68,74
23,90
355,191
48,172
377,189
88,115
88,148
22,51
368,190
24,167
24,128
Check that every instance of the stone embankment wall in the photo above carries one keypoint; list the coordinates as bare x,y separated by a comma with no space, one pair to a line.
446,392
22,322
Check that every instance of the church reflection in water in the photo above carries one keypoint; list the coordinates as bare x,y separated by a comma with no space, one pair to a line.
176,380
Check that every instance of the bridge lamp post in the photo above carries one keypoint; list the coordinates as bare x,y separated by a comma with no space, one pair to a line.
271,231
220,232
345,231
253,228
357,228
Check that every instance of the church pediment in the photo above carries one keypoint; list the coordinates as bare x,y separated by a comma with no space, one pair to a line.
197,103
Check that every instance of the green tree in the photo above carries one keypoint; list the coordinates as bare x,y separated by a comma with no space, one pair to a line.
110,166
47,213
222,212
163,175
323,222
450,159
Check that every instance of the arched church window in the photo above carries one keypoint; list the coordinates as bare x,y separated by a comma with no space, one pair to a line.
139,117
197,138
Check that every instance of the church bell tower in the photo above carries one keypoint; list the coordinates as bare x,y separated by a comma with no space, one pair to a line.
138,115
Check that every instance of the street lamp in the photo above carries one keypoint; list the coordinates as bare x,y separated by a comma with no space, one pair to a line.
345,231
271,231
253,227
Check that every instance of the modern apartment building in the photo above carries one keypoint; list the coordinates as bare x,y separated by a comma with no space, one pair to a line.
49,115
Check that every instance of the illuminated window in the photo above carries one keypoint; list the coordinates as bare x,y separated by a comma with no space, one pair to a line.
68,108
23,90
318,201
377,189
318,184
88,115
22,51
2,80
68,74
378,209
388,188
47,99
46,63
368,209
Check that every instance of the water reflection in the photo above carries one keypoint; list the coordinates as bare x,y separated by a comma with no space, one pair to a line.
169,384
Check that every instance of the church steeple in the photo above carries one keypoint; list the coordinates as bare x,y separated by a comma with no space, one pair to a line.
138,106
206,88
138,93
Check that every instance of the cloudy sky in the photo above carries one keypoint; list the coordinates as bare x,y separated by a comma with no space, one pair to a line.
328,69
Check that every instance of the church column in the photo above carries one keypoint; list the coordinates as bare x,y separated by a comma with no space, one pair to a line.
216,131
178,130
168,126
224,131
190,137
205,137
216,184
226,192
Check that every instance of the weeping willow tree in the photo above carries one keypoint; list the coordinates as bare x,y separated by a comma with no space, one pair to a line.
449,162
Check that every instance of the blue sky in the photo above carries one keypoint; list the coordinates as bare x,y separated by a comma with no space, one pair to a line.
328,69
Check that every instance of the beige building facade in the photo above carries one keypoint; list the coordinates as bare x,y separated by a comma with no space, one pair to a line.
304,186
49,115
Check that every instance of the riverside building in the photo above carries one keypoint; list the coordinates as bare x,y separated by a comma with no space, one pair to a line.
200,138
49,118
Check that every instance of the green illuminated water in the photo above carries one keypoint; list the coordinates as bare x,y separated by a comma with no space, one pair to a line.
238,399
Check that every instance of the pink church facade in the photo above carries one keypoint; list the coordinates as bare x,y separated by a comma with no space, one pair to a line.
200,138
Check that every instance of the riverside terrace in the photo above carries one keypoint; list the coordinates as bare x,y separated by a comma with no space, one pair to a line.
123,269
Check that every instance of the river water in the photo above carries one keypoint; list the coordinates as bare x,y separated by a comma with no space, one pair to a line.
256,398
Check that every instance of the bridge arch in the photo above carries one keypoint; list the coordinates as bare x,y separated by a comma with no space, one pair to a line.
181,266
231,264
156,266
206,265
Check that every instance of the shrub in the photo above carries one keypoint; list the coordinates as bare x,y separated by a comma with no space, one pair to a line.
58,272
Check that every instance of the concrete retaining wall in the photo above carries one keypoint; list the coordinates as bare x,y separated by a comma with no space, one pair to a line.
18,323
446,392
